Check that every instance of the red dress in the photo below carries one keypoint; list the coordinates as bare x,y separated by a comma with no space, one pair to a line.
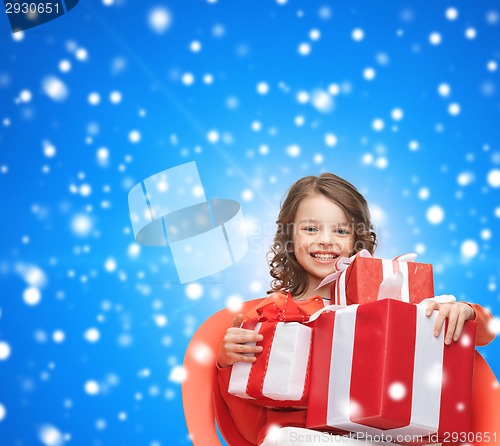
253,421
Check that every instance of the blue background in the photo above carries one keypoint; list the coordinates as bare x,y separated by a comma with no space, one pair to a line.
89,276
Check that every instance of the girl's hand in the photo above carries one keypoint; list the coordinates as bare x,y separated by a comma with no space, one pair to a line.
233,348
456,312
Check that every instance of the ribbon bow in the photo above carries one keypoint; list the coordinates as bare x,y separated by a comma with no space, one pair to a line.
289,313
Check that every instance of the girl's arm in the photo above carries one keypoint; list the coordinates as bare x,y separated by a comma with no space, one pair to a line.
457,313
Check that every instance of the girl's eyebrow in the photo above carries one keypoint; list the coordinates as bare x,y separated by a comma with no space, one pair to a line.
312,220
308,220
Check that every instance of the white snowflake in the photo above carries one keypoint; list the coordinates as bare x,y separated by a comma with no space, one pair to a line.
435,214
159,19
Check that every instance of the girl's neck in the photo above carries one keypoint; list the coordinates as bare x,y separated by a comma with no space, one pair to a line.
311,291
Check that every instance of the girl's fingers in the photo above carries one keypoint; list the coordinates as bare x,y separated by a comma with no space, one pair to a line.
245,358
452,324
459,328
464,314
238,344
439,322
243,348
431,306
243,338
456,313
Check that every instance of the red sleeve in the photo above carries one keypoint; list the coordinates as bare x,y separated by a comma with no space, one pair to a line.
482,317
247,418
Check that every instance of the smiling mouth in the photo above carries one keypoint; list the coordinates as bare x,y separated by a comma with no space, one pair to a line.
324,255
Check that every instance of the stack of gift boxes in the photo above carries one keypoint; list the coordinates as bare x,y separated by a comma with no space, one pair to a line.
370,364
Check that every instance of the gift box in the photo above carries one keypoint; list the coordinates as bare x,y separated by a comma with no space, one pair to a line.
279,376
378,369
362,276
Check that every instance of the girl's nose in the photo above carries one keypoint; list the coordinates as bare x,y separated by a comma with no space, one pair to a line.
325,238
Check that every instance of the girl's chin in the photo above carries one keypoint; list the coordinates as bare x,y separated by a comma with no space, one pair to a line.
323,269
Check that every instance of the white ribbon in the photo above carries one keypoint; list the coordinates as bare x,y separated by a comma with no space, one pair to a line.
443,299
318,313
390,288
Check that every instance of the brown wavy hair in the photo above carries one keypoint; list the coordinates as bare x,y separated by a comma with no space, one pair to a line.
288,275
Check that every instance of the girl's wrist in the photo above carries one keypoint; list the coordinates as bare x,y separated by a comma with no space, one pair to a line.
472,314
221,366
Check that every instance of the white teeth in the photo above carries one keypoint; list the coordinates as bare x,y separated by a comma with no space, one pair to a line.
324,256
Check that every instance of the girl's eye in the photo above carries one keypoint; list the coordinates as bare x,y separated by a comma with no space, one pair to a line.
310,229
341,231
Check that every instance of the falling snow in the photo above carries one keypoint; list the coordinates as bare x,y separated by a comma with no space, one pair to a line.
435,214
55,89
159,19
96,321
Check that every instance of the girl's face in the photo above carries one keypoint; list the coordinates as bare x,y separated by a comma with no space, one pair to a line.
321,233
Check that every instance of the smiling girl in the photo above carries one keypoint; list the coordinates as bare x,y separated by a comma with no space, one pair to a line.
321,219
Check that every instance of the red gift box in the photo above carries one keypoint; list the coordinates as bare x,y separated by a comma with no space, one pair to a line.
377,369
361,280
279,376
